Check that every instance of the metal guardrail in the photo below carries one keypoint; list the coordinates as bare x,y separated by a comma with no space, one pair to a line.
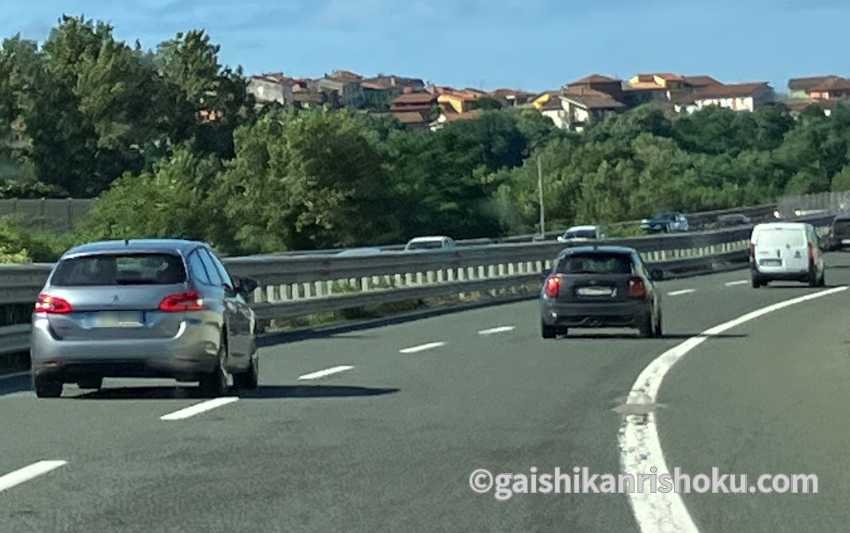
698,221
304,285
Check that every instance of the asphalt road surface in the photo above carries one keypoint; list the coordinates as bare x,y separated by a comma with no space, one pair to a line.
379,429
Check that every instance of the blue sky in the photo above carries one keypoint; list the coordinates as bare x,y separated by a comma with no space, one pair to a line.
528,44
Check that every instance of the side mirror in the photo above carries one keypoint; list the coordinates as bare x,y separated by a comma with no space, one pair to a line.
656,274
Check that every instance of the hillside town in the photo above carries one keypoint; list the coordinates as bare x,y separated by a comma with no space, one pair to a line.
421,105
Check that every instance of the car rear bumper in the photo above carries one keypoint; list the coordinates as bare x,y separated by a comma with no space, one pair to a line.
780,274
192,352
594,315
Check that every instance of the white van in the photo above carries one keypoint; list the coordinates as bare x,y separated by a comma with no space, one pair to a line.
786,251
430,243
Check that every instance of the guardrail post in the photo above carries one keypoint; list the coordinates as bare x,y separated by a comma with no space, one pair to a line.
273,293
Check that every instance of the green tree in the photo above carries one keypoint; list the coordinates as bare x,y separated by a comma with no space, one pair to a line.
172,200
211,100
303,180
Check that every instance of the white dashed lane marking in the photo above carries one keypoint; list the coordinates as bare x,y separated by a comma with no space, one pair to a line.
422,347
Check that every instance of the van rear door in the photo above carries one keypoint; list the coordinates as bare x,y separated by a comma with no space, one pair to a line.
782,249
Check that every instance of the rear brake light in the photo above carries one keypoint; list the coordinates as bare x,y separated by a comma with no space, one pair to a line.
752,251
182,301
637,288
553,286
52,304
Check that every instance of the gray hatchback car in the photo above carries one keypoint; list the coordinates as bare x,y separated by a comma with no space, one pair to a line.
598,287
143,308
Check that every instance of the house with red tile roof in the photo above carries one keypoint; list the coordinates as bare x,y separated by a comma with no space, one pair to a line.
734,96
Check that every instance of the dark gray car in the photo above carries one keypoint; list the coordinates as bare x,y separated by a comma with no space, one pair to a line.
143,308
596,287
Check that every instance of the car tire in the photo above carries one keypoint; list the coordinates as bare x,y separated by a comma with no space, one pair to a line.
214,384
90,383
822,280
647,327
659,330
47,388
250,379
756,281
548,332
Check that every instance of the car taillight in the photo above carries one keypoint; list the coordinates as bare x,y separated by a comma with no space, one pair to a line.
752,251
553,286
52,304
637,288
182,301
811,253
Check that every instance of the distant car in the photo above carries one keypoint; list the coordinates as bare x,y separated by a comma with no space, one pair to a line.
728,221
786,251
581,234
355,252
840,233
599,286
665,223
430,243
143,308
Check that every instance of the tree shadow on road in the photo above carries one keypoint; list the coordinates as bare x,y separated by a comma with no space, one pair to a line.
264,392
314,391
635,336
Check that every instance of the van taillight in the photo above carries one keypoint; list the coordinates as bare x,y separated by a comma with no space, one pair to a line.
811,253
553,286
52,304
752,249
637,288
182,301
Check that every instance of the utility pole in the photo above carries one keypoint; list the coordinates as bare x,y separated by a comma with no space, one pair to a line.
540,192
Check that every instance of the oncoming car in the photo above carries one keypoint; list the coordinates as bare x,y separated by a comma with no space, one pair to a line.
596,287
581,234
143,308
430,243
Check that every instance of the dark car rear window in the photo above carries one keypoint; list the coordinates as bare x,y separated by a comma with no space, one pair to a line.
595,263
841,226
119,269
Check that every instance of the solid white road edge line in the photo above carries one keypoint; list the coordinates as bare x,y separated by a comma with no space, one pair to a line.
326,372
739,282
199,408
499,329
28,472
683,291
640,447
422,347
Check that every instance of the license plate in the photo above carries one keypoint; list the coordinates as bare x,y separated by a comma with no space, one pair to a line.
770,262
845,241
595,291
118,319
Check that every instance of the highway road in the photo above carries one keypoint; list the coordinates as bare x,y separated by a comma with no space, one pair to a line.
379,429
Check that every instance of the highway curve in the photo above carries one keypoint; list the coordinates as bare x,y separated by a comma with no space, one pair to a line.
389,444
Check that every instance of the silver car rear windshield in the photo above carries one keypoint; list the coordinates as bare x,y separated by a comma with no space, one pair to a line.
595,263
119,269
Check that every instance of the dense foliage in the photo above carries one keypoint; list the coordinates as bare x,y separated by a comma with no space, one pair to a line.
171,143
